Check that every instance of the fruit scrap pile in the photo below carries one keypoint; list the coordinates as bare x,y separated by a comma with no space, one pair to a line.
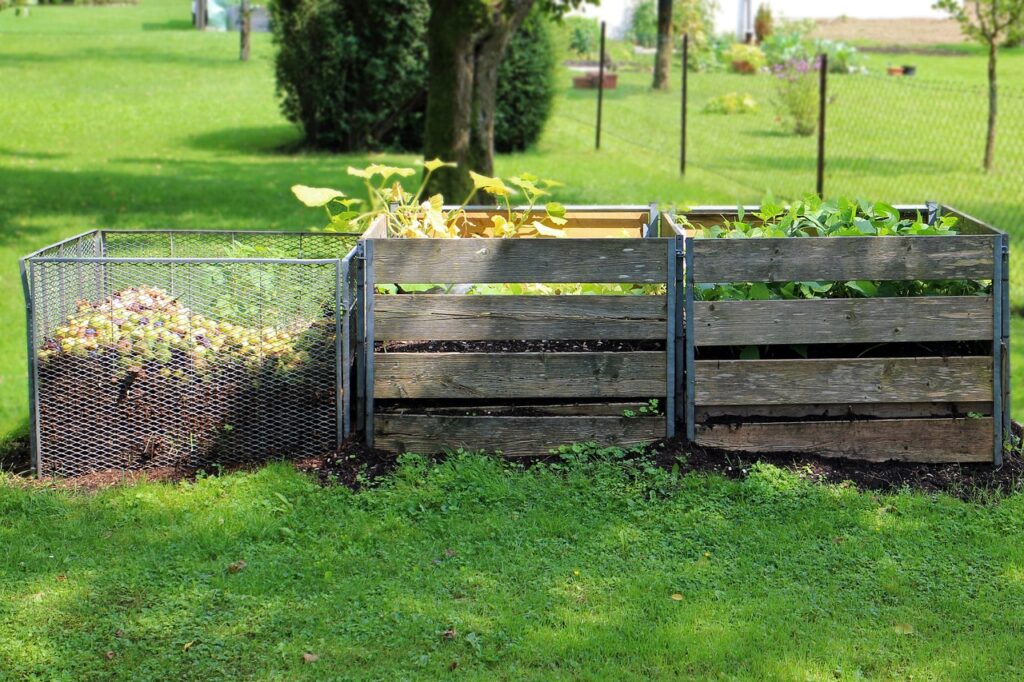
148,324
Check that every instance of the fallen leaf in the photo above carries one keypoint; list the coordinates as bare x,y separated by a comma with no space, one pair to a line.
237,567
903,628
61,578
453,665
677,597
449,552
308,657
119,633
449,633
110,655
188,645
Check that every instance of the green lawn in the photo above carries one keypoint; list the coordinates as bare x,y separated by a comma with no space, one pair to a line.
123,117
537,574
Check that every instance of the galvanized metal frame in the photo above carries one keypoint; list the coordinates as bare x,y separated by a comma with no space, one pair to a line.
1005,376
997,351
690,417
368,346
25,268
671,293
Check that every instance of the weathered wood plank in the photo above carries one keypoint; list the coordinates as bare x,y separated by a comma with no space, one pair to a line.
603,409
911,440
855,320
852,380
483,261
580,223
841,411
843,258
513,436
519,375
482,318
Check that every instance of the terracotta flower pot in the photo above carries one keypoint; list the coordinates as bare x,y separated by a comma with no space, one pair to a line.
895,70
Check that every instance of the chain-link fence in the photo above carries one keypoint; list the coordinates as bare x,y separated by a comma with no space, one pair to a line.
177,348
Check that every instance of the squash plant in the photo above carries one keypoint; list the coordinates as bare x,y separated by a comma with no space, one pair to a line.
411,216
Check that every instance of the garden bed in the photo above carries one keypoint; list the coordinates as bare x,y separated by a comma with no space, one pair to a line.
517,372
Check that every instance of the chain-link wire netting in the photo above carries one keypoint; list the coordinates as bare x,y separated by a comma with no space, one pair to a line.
158,349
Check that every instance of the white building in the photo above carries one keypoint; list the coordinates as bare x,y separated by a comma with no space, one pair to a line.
731,12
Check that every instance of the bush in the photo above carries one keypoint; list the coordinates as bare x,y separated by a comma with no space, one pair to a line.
643,29
796,95
526,87
764,23
731,103
352,74
745,58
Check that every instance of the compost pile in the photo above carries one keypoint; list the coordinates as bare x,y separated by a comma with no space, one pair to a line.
140,380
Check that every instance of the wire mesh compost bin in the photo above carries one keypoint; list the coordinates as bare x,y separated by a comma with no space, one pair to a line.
187,348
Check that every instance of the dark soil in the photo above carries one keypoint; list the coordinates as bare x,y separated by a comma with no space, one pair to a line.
353,464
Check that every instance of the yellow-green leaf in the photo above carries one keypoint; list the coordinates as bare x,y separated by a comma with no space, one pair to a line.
434,164
315,196
546,231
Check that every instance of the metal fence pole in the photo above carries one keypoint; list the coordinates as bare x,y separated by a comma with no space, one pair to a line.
368,343
341,348
691,427
682,113
822,106
33,406
670,340
600,89
360,354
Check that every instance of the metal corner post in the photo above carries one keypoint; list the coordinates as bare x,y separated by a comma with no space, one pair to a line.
358,308
653,229
25,267
691,427
368,342
1005,346
997,351
680,338
671,292
341,347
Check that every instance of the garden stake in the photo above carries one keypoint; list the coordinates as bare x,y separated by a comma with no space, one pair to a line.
600,89
822,105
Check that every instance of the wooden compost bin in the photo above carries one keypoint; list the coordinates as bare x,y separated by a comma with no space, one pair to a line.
523,402
930,406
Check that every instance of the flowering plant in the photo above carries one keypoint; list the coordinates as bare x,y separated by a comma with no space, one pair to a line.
796,94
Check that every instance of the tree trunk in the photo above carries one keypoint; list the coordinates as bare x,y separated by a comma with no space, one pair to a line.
465,48
246,30
663,57
993,99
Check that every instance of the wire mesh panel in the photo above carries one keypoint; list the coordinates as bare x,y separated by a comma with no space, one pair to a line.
144,360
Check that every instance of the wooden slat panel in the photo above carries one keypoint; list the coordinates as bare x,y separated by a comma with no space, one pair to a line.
855,320
840,411
843,258
520,260
583,223
602,409
856,380
912,440
513,436
519,375
481,318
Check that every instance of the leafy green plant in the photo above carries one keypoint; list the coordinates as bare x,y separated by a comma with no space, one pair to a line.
744,58
797,94
648,409
814,217
731,103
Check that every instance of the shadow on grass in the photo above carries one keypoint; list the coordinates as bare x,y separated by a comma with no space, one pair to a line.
275,139
169,25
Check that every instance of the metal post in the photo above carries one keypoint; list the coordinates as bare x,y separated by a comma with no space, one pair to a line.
682,112
997,352
1005,350
360,354
653,227
680,362
822,106
33,410
600,89
670,341
368,341
691,427
340,348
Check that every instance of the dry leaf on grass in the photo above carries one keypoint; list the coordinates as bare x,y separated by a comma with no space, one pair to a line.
308,657
237,567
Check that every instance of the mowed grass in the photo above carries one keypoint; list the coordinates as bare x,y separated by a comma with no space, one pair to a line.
477,570
122,117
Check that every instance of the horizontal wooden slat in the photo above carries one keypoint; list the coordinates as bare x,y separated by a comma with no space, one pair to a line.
513,436
855,380
602,409
519,375
581,223
840,411
855,320
482,318
520,260
843,258
912,440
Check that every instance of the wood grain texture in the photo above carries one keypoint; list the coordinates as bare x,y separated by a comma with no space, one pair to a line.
854,380
854,320
638,374
484,318
484,261
513,436
602,409
910,440
843,258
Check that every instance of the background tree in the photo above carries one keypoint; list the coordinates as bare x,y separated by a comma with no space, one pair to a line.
988,22
466,41
663,56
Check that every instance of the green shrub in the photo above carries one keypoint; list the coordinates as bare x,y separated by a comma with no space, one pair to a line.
526,87
731,103
745,58
352,74
643,28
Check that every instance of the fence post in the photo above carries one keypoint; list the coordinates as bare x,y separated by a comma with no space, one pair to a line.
822,105
245,30
997,353
368,343
600,89
682,114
